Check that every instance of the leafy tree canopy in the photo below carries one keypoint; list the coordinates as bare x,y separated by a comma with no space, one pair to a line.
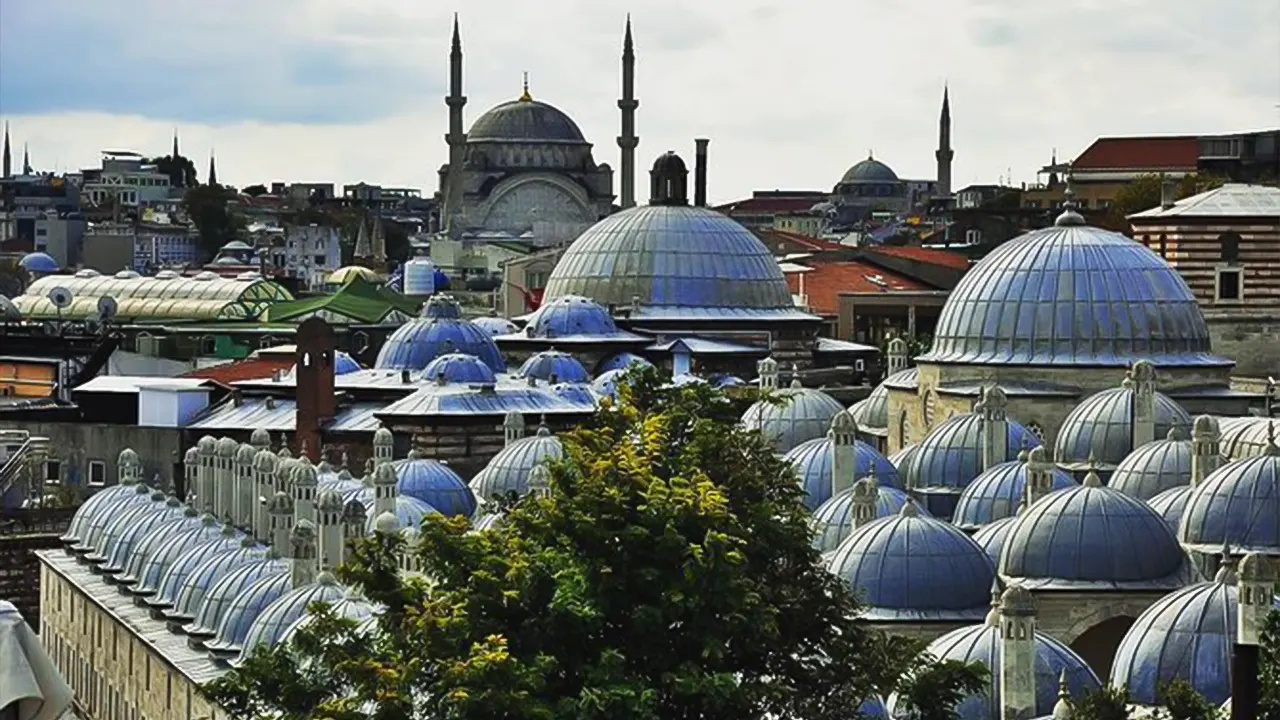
666,573
215,222
255,190
1144,192
1269,669
1106,703
180,169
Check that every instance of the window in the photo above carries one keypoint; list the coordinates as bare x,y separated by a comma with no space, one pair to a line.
208,345
1230,247
97,472
52,472
972,236
1164,246
41,232
859,365
1229,284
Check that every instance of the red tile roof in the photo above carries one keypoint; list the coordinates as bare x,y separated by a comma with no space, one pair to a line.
773,237
248,369
824,283
1140,153
932,256
772,204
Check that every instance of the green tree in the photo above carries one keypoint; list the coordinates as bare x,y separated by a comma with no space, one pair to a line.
1106,703
666,572
216,223
1181,702
1145,191
1269,669
255,190
933,689
181,171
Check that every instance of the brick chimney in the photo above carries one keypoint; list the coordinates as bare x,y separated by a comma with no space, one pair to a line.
315,358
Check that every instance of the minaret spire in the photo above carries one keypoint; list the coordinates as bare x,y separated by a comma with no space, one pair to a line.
213,171
26,160
627,141
944,153
7,162
456,138
175,143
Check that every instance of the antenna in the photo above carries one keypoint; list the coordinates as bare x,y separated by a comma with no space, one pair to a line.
60,297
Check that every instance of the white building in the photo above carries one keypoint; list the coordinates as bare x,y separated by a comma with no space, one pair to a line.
124,178
309,253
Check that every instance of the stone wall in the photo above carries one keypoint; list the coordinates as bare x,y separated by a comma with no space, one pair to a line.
116,675
22,533
76,444
1252,341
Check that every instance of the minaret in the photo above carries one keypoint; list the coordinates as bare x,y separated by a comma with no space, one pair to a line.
995,427
1039,476
245,491
844,460
768,372
280,511
378,245
944,153
1017,654
384,489
897,355
6,161
264,471
208,448
330,511
26,161
213,171
363,248
383,446
175,155
304,491
1206,450
191,473
1142,378
302,564
627,141
456,138
225,477
862,508
512,427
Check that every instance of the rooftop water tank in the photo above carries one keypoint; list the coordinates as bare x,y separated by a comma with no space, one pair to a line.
419,276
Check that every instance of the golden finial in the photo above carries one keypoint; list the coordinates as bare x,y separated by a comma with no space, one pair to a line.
525,96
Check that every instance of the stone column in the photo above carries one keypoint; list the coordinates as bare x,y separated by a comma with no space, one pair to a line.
844,455
512,427
1017,654
245,491
1206,449
384,490
304,491
302,564
1039,476
383,446
280,510
208,449
995,427
1142,378
264,470
329,509
897,355
225,477
862,509
191,474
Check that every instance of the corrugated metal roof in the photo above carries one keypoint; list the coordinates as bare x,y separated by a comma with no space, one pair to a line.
253,413
1231,200
703,346
832,345
712,314
485,400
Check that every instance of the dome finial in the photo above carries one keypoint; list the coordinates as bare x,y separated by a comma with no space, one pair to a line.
1226,568
524,95
909,509
1069,216
1064,709
1091,478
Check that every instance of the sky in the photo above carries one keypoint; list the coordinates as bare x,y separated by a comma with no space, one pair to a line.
791,92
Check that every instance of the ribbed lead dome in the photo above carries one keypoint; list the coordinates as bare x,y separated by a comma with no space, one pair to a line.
508,471
1238,504
672,256
525,120
813,465
1071,294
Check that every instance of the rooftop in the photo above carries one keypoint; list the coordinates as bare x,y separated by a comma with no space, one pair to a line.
1231,200
774,201
932,256
1180,152
825,281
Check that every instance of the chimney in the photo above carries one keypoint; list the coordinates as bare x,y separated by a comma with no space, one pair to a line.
844,458
1141,378
1166,192
1206,451
995,427
315,392
700,172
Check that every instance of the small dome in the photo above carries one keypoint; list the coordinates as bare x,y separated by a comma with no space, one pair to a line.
409,513
227,448
622,361
1102,426
78,526
8,311
900,459
578,393
147,582
873,708
101,538
276,619
554,366
869,171
224,592
237,246
442,307
459,368
207,445
344,275
238,619
725,380
1187,635
1238,504
1089,537
156,540
435,484
981,643
606,383
38,262
350,607
508,471
833,520
494,325
525,121
204,576
992,536
131,527
950,457
1154,468
570,316
343,364
911,567
185,564
813,465
485,521
416,343
873,410
998,492
802,414
97,525
1171,504
1072,295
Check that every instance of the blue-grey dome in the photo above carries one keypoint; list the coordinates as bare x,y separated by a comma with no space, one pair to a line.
163,558
409,512
459,368
1092,537
554,366
570,316
525,120
1170,505
725,380
175,577
900,459
1102,425
833,520
91,507
158,538
873,410
103,516
950,457
1238,504
119,522
606,383
205,575
997,493
275,619
139,526
343,364
38,262
799,414
813,465
508,471
1232,430
435,484
1072,295
622,361
991,536
873,708
442,306
416,343
1154,468
486,521
869,171
981,643
494,325
910,567
1187,635
244,610
224,592
350,607
673,256
578,393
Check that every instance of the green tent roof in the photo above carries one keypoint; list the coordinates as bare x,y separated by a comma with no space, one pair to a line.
359,300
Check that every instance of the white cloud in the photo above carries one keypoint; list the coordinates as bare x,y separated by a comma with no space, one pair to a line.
791,93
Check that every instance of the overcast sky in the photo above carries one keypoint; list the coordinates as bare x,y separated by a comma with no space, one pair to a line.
791,92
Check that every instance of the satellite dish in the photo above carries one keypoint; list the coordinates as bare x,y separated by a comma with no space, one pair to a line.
60,297
106,308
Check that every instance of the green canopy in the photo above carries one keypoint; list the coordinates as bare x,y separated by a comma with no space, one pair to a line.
358,301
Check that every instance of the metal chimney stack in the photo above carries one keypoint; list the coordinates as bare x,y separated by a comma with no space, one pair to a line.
700,172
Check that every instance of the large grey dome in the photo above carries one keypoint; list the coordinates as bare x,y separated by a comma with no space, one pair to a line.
525,120
1072,295
869,170
673,256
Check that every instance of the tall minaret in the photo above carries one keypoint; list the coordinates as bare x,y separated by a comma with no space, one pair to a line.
213,171
26,160
628,141
175,144
944,153
457,137
6,163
